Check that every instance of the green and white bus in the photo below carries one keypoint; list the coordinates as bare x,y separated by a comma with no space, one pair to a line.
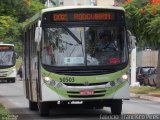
7,63
65,64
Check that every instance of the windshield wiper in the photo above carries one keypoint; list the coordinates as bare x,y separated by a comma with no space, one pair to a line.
72,35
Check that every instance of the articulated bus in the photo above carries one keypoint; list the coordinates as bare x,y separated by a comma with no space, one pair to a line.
76,56
7,63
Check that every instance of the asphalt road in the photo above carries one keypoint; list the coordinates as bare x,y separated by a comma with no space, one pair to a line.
12,97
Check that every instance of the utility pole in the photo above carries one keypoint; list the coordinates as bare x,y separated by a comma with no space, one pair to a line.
133,65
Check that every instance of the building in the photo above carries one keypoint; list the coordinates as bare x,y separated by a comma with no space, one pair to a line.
77,2
119,2
147,58
105,2
52,3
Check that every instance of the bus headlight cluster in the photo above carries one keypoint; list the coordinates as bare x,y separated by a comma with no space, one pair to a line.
52,82
125,77
117,81
11,71
112,83
59,85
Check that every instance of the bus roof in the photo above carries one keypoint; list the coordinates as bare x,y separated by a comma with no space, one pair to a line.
39,14
81,7
6,44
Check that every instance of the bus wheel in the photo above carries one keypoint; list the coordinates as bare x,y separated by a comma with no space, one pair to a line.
13,80
33,105
8,81
116,107
44,109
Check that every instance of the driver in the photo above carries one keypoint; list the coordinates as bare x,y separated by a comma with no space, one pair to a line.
105,43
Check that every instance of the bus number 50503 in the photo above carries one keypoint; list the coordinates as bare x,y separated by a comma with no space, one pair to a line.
67,79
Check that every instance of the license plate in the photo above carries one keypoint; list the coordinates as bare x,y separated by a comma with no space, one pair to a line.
86,92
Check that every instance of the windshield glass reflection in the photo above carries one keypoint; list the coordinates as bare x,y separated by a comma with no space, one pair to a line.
84,46
6,58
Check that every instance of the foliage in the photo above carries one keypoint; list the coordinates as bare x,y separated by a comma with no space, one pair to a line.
144,22
9,27
5,114
20,9
13,14
153,30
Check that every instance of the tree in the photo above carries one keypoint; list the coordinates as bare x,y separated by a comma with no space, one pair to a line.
8,27
140,16
13,14
135,20
144,22
20,9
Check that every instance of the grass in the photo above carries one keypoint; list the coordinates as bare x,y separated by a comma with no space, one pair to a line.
5,114
145,90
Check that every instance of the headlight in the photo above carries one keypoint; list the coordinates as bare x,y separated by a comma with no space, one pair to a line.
52,82
49,81
117,81
112,83
125,77
13,69
59,85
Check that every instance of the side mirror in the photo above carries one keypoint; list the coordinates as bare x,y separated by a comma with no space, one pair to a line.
16,55
38,36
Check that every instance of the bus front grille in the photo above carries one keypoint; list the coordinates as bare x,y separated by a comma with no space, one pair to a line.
3,71
83,84
76,94
86,96
3,75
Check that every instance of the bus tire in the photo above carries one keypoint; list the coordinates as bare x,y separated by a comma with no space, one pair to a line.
33,105
116,107
13,80
44,109
8,81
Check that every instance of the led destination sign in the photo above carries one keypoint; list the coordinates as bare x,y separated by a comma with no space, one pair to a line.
64,17
5,47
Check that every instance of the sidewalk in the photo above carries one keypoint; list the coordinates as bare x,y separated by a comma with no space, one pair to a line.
145,96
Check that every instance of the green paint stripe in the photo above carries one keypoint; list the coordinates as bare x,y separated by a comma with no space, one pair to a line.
109,91
90,79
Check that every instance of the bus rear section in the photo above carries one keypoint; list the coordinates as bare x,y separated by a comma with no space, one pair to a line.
7,63
81,58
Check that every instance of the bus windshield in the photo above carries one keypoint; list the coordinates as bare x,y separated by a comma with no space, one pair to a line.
6,58
84,46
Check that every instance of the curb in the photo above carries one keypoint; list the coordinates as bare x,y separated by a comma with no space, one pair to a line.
144,96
